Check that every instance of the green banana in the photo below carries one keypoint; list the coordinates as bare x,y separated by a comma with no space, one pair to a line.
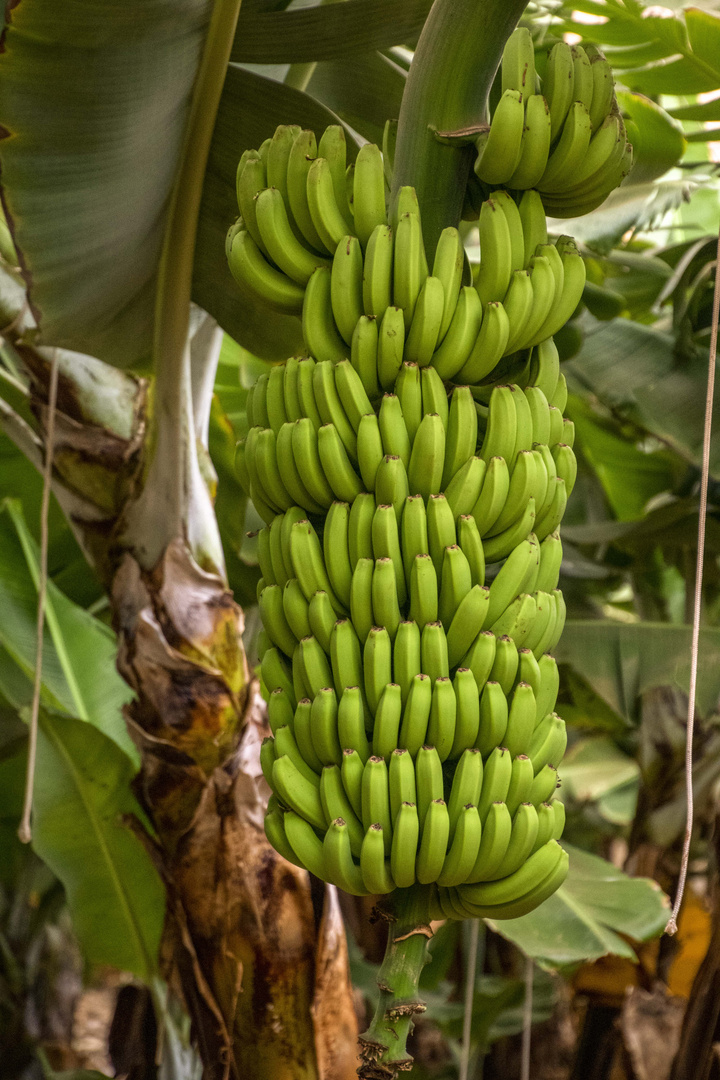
319,331
391,342
401,781
493,494
408,388
280,241
378,271
480,657
251,270
453,353
466,786
463,491
346,286
467,723
521,782
535,145
300,158
461,437
336,550
351,723
559,85
375,869
496,831
351,771
386,544
368,192
428,779
376,798
505,665
464,848
345,483
369,451
360,521
324,204
297,793
448,269
391,483
495,253
336,804
522,840
493,718
388,716
424,330
441,529
377,665
393,430
433,843
406,833
305,842
496,780
364,354
443,712
499,151
345,656
406,656
338,861
361,611
416,714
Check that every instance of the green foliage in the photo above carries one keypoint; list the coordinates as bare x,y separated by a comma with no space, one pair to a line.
82,803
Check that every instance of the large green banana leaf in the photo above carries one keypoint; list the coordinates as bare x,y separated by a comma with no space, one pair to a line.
79,651
94,104
82,794
621,661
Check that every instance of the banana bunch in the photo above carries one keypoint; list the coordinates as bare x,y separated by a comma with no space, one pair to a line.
564,138
415,740
509,466
298,200
375,302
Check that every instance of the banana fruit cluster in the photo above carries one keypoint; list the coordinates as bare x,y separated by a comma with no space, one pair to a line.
507,467
414,738
564,138
364,288
413,468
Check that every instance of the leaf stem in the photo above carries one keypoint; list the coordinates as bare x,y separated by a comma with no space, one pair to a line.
174,501
25,828
447,89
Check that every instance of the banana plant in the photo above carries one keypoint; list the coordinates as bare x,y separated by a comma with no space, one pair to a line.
114,227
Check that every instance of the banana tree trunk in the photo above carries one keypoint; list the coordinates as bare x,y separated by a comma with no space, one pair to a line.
260,956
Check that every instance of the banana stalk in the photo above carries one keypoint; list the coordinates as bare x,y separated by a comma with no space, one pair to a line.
449,81
383,1046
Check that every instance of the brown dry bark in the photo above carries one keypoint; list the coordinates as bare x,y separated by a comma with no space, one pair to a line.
263,970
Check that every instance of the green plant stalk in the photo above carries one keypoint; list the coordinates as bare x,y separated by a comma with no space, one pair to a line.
383,1045
447,90
174,501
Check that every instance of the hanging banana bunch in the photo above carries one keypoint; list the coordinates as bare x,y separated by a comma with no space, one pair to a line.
413,469
564,137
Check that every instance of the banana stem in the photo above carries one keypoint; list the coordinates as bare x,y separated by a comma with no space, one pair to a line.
383,1046
447,90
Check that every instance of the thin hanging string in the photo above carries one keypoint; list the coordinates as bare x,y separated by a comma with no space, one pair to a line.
24,829
469,997
527,1020
671,927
